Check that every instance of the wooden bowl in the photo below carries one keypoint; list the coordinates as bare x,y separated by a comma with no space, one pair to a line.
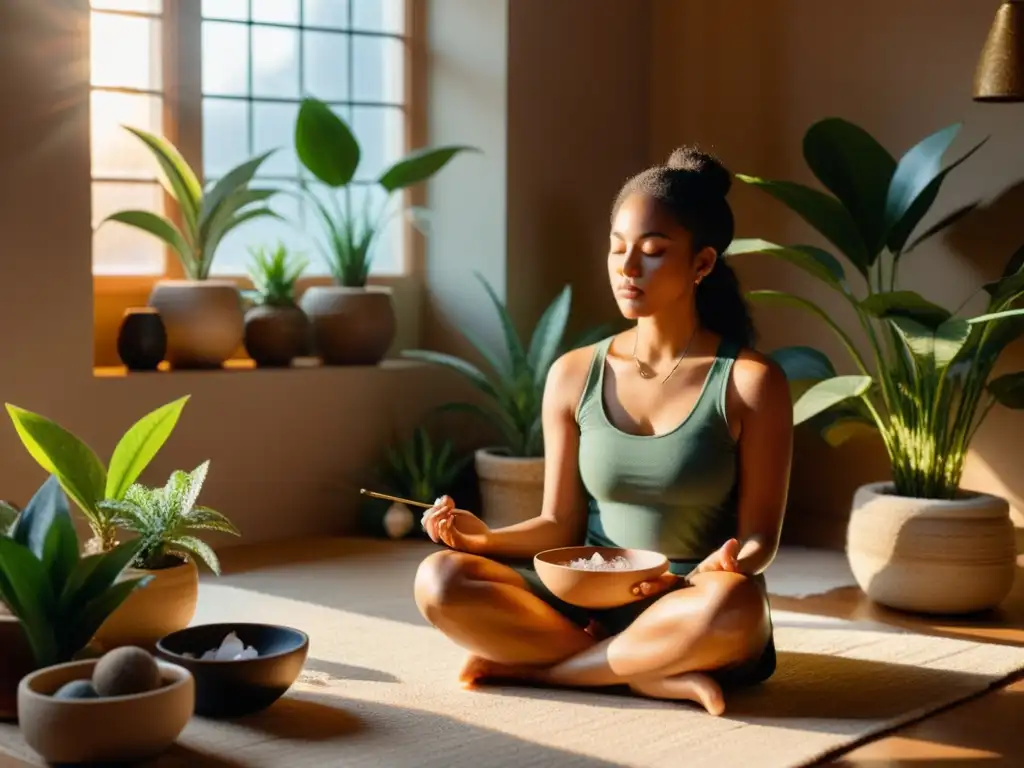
235,688
116,729
597,589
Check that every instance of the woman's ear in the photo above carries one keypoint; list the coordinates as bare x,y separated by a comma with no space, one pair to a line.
704,262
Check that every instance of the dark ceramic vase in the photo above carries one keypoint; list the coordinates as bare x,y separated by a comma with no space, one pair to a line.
274,336
142,339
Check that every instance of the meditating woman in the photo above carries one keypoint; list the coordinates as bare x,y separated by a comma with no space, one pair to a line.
673,436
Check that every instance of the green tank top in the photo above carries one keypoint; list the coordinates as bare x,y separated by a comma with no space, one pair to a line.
675,493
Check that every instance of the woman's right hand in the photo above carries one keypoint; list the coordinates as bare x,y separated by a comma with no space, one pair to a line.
455,528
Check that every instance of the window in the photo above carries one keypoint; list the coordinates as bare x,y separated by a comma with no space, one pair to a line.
259,59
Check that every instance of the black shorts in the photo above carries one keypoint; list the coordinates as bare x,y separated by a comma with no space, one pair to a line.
615,620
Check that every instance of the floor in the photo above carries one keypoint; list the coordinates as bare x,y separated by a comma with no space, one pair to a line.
985,731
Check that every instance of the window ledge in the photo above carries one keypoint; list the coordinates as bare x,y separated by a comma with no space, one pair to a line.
245,365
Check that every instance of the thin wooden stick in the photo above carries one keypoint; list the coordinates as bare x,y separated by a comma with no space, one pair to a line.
384,496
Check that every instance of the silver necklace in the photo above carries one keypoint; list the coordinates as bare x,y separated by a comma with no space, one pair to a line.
645,371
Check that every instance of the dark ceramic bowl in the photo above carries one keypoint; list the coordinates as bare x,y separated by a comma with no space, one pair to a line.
237,688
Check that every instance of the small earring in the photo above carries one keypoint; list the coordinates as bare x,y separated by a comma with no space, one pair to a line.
699,278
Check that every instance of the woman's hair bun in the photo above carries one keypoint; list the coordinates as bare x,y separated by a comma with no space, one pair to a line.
714,176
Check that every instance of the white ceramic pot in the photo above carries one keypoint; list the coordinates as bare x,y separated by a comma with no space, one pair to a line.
351,326
203,318
511,488
931,555
165,605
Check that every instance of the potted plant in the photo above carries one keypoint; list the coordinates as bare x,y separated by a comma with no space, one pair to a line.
80,471
57,598
167,522
511,475
919,542
418,469
353,323
276,329
202,317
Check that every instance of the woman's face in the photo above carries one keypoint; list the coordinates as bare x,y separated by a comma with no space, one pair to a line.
651,264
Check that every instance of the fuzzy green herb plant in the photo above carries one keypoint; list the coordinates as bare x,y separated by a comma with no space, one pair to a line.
81,473
60,598
923,378
330,151
515,387
421,470
274,275
207,215
168,521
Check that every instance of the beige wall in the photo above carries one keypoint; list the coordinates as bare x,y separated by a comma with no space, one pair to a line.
748,77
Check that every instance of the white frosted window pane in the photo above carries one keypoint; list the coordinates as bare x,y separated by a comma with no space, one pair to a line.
379,15
326,13
276,11
381,135
325,65
225,135
117,248
225,58
138,6
233,256
378,66
125,52
275,62
226,9
115,151
274,128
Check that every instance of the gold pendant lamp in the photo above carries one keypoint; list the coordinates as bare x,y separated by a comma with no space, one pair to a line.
1000,72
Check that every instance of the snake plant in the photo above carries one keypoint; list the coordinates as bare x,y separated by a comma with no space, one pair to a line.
421,470
924,379
515,388
207,215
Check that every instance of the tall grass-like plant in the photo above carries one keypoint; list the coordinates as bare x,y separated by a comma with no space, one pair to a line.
925,381
515,387
330,151
274,274
207,215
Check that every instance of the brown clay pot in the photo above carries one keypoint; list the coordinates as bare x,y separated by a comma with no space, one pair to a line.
351,326
274,336
511,488
203,320
165,605
16,661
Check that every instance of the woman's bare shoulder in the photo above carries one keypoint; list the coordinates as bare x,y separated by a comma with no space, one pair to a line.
568,374
759,380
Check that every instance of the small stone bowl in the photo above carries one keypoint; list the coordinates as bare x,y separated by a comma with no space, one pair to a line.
226,689
115,729
597,589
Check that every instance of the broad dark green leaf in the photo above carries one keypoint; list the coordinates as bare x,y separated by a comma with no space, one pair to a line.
803,363
81,473
34,523
915,171
905,304
820,263
419,165
139,445
184,185
823,212
1009,390
1012,280
828,393
942,224
857,170
547,336
468,370
325,144
94,574
936,346
60,550
30,598
89,617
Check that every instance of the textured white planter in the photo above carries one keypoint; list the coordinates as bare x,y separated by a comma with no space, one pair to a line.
351,326
511,489
930,555
203,318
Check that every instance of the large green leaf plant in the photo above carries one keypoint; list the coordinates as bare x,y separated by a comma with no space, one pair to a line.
60,598
82,474
330,151
515,387
207,215
925,381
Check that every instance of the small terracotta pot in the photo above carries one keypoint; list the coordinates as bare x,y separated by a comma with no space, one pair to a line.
203,319
165,605
274,336
931,555
351,326
16,661
511,488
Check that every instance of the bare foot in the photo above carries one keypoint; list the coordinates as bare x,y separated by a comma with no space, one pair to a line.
479,671
690,686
